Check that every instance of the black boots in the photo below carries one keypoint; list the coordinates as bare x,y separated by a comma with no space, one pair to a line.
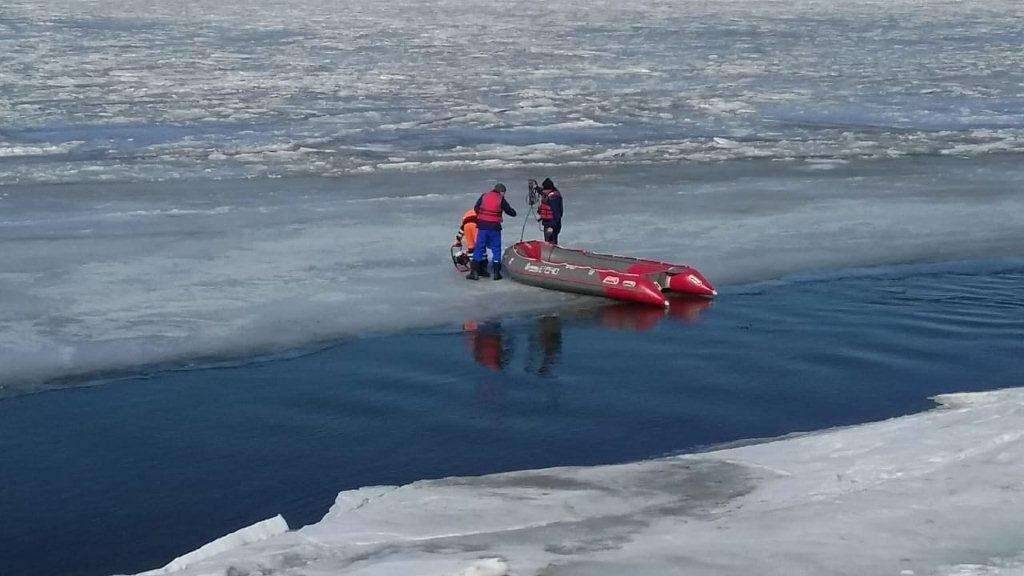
478,269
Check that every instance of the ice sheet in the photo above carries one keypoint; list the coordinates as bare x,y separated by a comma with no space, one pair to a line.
107,91
932,493
248,535
109,278
192,183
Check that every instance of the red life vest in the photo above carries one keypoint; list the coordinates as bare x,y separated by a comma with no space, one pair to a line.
490,208
544,211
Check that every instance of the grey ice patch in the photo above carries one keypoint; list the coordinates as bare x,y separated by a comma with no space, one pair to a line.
599,534
543,480
452,547
671,487
593,568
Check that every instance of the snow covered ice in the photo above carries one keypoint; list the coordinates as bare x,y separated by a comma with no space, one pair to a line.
932,493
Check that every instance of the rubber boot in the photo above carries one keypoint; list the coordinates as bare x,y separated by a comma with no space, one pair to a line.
483,269
473,274
497,270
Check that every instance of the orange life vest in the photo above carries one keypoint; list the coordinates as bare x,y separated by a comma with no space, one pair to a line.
468,229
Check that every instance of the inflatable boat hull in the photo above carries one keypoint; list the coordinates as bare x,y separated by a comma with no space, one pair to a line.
618,277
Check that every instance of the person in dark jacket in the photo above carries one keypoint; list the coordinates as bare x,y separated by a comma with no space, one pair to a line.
489,209
550,210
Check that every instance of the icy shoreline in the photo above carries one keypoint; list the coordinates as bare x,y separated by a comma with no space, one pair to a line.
938,492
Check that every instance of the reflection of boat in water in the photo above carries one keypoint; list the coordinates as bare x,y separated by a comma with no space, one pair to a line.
688,310
630,317
492,348
638,318
618,277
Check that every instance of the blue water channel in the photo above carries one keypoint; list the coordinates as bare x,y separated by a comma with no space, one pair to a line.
125,475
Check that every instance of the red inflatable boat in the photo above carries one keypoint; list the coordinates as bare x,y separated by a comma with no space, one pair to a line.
619,277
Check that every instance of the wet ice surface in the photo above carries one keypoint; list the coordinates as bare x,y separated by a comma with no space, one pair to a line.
109,277
142,90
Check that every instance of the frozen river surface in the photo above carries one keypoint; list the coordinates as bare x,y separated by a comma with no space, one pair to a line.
105,90
211,183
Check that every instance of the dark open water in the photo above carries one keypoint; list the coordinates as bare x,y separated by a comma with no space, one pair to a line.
126,475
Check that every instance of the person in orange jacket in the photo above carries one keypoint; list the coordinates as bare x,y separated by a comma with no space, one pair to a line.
465,239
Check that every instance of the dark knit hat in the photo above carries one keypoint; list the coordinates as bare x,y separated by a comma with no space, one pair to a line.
547,184
499,187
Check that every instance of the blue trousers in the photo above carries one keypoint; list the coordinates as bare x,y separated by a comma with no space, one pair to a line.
487,239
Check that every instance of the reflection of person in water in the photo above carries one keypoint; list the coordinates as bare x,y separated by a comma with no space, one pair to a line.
547,340
487,345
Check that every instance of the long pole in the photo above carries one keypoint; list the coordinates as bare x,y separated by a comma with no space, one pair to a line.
529,211
522,232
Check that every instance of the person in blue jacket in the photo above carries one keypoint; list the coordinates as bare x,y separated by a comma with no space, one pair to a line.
550,210
489,209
